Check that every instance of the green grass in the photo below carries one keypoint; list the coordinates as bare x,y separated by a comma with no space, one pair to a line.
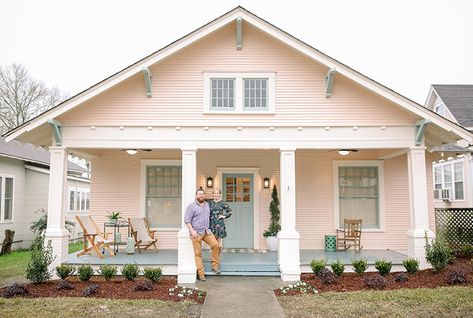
96,307
422,302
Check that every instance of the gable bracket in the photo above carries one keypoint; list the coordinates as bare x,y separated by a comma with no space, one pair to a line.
57,131
329,82
421,125
147,75
238,34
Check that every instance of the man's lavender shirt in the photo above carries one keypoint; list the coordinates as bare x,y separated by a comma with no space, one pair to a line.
198,216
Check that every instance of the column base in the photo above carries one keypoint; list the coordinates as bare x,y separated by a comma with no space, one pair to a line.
60,245
186,269
289,255
416,245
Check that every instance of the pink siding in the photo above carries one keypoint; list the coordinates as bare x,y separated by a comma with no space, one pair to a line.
178,89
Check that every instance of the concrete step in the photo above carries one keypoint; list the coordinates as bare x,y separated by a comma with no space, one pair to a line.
225,267
260,274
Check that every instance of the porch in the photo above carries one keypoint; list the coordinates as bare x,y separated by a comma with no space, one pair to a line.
240,262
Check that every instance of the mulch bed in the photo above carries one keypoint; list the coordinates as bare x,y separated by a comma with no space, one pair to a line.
422,279
118,288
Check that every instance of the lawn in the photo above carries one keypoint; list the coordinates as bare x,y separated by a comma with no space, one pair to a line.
422,302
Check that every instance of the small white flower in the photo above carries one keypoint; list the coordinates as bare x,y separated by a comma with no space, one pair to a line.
180,295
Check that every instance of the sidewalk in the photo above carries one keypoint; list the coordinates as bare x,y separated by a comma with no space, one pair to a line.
236,296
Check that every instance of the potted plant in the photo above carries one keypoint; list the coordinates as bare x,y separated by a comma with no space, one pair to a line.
271,233
113,216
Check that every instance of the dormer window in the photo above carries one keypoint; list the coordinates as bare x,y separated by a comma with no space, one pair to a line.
239,93
440,109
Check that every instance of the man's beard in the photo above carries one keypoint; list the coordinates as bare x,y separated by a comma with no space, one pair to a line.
200,199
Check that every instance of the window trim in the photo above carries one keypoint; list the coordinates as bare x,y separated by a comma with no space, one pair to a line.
239,92
2,199
360,163
452,164
78,191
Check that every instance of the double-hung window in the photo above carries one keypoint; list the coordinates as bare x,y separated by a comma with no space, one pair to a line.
79,199
6,198
449,175
239,92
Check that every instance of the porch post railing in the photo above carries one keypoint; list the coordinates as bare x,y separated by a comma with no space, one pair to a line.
288,252
186,269
418,204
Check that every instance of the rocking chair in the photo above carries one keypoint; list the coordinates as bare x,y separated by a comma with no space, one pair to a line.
350,235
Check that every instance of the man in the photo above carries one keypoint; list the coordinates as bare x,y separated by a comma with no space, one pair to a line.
197,221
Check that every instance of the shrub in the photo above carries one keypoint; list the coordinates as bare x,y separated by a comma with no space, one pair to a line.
360,265
338,268
383,267
376,282
411,265
456,278
85,272
437,252
130,271
64,285
15,290
466,250
317,265
274,226
41,257
400,277
64,271
327,276
153,274
143,285
108,271
90,290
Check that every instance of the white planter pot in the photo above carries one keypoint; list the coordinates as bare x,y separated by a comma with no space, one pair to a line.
272,243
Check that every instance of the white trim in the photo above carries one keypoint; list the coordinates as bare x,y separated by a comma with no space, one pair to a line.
2,199
360,163
153,162
450,162
257,188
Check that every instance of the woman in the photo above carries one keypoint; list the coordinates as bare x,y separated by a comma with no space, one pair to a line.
219,211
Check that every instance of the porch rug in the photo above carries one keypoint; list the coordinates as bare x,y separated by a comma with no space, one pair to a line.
243,250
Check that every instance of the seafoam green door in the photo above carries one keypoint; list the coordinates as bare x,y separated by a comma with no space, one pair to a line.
238,193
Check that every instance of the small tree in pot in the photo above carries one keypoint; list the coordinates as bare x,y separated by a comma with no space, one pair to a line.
271,233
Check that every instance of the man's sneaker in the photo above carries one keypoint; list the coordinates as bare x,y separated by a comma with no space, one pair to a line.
201,278
216,270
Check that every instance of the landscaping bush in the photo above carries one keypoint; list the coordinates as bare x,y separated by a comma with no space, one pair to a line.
64,271
400,277
90,290
64,285
383,267
411,265
338,268
466,250
130,271
376,282
317,265
456,278
85,272
41,257
143,285
153,274
327,276
360,265
437,252
15,290
108,271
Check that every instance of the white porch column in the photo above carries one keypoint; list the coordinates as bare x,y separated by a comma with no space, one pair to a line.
288,252
418,205
56,231
186,269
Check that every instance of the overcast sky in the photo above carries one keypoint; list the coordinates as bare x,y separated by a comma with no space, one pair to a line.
405,45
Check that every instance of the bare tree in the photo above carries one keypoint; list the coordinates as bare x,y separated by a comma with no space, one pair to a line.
22,97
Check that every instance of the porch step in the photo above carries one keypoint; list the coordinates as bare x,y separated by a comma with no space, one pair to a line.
265,274
245,269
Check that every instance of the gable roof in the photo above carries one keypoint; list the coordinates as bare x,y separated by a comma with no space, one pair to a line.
284,37
29,153
459,101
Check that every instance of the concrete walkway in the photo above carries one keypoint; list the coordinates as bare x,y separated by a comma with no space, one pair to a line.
237,296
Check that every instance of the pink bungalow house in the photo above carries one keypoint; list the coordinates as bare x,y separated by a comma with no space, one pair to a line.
239,100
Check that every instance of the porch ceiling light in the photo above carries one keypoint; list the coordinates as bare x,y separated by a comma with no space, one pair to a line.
345,152
266,183
210,182
131,152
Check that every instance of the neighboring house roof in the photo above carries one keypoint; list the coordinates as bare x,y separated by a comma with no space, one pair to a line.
27,152
270,29
452,148
459,101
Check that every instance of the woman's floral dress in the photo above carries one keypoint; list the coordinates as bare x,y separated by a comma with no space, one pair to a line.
217,226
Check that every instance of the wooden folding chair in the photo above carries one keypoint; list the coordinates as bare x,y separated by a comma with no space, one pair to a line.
144,237
94,236
350,235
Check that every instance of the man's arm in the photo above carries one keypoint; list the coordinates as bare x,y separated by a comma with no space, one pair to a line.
192,231
187,221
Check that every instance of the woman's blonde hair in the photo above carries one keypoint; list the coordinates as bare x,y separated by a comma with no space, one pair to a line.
218,189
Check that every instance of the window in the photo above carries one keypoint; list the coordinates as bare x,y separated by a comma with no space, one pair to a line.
358,192
449,175
163,196
6,198
79,199
440,109
239,92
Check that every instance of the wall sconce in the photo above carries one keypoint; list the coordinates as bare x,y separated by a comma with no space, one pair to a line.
266,183
210,182
131,151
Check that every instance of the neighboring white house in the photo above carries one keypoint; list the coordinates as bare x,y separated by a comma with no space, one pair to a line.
453,171
24,185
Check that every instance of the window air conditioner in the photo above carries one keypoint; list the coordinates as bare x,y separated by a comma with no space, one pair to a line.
437,194
445,195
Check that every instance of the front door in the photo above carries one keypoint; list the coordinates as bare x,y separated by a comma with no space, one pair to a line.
238,193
